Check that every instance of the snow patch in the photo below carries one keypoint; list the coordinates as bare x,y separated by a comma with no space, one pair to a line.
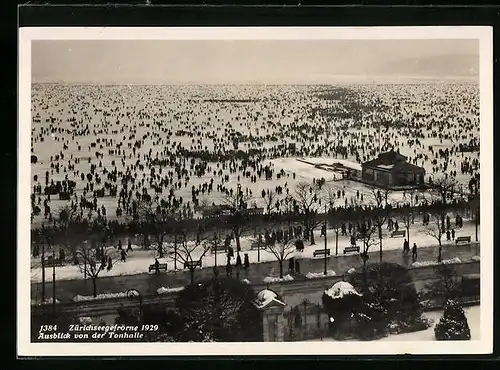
352,270
85,320
475,258
273,279
341,289
246,281
83,298
434,263
316,275
46,301
163,290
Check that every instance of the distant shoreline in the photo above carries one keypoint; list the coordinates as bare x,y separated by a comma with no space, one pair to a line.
416,81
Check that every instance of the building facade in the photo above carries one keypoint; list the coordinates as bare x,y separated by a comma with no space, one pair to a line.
392,169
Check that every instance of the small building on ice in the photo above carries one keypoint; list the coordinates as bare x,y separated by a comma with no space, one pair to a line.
392,169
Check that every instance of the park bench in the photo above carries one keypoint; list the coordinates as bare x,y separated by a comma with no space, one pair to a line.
190,265
463,239
321,252
399,233
50,262
218,249
161,266
353,248
255,245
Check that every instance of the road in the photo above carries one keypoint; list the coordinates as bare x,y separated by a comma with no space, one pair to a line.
294,292
147,284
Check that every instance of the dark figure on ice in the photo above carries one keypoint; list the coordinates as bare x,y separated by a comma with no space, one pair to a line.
157,266
229,269
246,262
299,245
120,245
323,230
129,247
448,238
62,255
448,223
230,253
414,252
353,240
238,260
406,247
452,234
297,267
110,264
123,256
291,265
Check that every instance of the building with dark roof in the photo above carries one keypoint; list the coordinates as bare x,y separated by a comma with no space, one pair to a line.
392,169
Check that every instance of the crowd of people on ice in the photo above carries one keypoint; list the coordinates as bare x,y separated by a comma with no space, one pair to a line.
104,149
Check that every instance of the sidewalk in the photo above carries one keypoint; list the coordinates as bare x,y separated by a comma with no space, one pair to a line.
139,260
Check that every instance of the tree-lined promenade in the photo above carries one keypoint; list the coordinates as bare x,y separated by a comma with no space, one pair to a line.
90,244
148,284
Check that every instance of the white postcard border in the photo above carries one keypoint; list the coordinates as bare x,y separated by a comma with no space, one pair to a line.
482,346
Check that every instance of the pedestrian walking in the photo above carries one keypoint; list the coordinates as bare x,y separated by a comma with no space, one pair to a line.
246,262
452,234
323,230
406,247
448,235
110,264
157,266
123,256
297,267
238,260
129,246
291,265
120,245
414,252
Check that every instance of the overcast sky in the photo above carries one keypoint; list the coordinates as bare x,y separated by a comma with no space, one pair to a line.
263,61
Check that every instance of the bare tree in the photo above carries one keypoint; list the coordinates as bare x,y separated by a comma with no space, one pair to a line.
307,198
442,190
366,233
436,230
474,203
281,249
270,197
382,212
159,218
191,252
94,259
70,223
408,211
237,221
333,219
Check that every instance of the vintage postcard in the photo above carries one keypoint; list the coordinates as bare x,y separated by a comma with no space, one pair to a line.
191,190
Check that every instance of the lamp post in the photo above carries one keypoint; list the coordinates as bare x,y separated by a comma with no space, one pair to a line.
132,293
53,279
43,271
326,216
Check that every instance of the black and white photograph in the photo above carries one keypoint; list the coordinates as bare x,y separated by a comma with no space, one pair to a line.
319,189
